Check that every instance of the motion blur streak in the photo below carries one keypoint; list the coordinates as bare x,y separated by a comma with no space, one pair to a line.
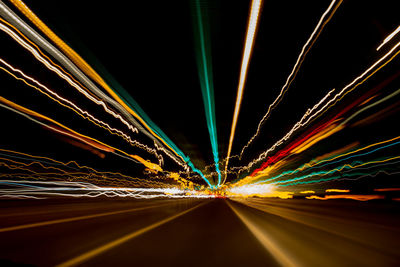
71,133
88,178
338,158
307,117
121,105
268,243
44,189
206,81
294,223
74,107
59,42
248,47
93,253
337,190
88,70
26,11
354,197
386,189
304,51
387,39
39,224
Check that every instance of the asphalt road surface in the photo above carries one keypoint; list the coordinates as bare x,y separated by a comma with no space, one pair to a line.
220,232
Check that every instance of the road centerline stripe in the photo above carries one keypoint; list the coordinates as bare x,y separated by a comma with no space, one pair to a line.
101,249
31,225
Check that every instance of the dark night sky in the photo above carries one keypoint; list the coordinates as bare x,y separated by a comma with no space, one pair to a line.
148,48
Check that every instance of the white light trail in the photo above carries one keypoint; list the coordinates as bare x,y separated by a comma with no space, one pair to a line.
306,48
387,39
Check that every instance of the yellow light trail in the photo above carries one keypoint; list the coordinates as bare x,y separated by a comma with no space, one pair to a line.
310,114
307,192
343,167
51,172
40,58
310,164
306,48
75,57
250,35
70,80
67,164
71,133
387,39
85,67
83,113
337,190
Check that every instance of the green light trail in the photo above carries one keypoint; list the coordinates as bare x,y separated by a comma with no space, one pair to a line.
203,56
128,99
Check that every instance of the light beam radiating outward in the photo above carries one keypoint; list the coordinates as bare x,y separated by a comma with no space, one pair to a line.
248,47
83,164
206,81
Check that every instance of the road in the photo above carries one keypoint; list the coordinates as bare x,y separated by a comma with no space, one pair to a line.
219,232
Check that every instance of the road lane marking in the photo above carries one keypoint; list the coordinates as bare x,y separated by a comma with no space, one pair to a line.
97,251
265,240
31,225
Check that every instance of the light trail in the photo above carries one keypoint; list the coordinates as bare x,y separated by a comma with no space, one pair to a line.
318,111
45,189
334,5
354,197
119,105
248,47
46,61
279,170
310,167
69,104
206,83
333,159
340,158
71,133
298,180
75,57
387,39
337,190
143,118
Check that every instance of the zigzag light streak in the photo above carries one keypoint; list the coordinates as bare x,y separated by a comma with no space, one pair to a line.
304,51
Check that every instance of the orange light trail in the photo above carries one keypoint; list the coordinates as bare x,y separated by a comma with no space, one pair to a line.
90,72
353,197
85,114
387,189
81,89
317,111
250,36
71,133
